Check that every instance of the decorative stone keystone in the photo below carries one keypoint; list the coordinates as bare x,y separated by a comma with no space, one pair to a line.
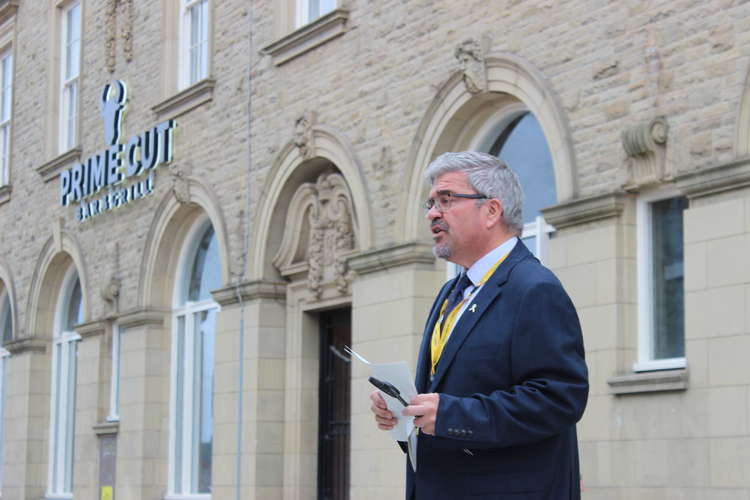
303,134
470,57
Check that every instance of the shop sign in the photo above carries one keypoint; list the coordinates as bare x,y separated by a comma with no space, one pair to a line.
134,160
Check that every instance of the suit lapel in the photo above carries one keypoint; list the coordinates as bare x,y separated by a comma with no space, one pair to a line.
474,311
423,363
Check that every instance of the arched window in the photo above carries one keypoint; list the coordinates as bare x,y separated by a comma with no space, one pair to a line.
517,138
6,315
6,328
193,340
68,314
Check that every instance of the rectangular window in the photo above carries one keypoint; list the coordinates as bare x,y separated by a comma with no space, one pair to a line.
194,42
62,424
309,10
70,65
114,393
192,389
6,109
661,272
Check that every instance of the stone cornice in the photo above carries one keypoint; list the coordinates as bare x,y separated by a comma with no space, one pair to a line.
142,317
706,182
308,37
91,329
250,290
8,9
26,344
583,210
51,169
106,428
382,259
185,100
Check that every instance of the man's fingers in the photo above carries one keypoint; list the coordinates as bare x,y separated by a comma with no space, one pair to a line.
415,410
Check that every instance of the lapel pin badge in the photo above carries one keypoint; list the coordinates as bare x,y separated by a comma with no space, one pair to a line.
473,308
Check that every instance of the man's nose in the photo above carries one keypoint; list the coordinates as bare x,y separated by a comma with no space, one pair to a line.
433,213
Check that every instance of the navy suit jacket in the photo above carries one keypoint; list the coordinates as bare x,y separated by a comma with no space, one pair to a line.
513,383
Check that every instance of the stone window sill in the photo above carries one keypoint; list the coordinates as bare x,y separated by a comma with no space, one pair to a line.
308,37
197,94
5,193
52,168
656,381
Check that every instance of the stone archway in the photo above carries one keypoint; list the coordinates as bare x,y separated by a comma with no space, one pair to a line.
459,112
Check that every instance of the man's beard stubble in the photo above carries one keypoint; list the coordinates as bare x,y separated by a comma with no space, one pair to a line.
441,250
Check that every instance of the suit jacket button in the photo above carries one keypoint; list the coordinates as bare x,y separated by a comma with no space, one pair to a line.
450,432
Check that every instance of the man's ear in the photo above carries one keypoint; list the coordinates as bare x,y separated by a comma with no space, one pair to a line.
494,212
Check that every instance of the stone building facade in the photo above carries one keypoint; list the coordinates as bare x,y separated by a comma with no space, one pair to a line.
248,177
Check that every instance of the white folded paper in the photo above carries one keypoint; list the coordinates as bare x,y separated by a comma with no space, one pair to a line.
398,375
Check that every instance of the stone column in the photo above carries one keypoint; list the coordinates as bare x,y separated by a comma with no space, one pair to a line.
391,297
26,418
92,401
143,440
262,306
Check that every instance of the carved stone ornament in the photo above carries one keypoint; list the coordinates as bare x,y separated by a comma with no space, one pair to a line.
180,186
645,147
126,33
470,57
303,134
111,291
320,234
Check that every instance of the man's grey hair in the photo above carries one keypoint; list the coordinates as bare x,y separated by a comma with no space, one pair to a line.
488,175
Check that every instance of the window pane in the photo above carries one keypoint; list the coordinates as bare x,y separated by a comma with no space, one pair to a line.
179,402
74,309
206,270
73,42
326,6
198,43
530,243
6,320
7,88
668,275
70,397
523,147
205,326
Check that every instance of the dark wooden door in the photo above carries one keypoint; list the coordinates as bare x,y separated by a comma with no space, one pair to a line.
334,405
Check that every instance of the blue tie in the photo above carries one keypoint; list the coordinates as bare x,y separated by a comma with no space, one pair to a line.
456,295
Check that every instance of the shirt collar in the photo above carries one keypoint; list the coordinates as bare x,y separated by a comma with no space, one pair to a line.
477,271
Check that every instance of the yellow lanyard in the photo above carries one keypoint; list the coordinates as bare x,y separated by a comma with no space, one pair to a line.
440,336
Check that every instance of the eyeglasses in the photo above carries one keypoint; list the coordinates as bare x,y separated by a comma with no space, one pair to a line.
444,199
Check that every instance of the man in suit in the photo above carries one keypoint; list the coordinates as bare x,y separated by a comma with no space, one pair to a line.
501,374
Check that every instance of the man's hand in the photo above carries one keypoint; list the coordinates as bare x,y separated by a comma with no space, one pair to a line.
385,419
424,407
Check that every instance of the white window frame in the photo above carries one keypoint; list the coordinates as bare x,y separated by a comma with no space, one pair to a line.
114,386
541,231
62,419
186,45
6,73
188,310
644,263
302,11
68,119
4,355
